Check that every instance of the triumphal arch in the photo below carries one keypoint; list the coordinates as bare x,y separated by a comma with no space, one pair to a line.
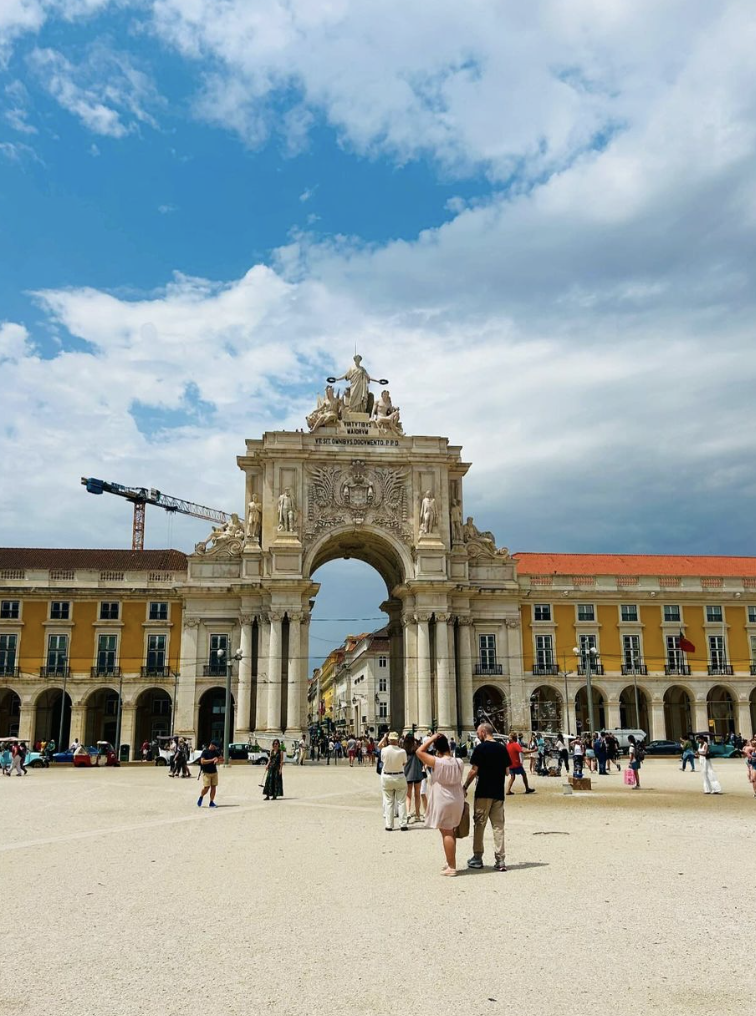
352,485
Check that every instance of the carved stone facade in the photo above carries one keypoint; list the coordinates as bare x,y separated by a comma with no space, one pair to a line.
355,495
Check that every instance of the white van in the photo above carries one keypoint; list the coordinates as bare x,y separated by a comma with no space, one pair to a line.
622,734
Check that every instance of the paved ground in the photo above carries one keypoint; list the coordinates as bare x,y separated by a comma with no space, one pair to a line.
127,899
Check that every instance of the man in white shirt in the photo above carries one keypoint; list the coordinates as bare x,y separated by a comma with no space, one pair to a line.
393,781
302,750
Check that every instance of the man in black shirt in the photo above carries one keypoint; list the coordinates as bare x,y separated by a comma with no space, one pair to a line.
209,760
488,763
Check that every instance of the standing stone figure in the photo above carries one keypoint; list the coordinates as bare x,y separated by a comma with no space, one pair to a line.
358,379
287,515
456,522
428,513
254,519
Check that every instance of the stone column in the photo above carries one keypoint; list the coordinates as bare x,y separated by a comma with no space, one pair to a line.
452,672
466,659
701,714
396,674
294,674
26,722
183,707
78,722
424,706
304,670
128,730
443,682
612,712
410,674
745,724
244,689
263,642
274,674
658,722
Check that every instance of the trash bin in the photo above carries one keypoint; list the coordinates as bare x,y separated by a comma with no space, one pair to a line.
123,755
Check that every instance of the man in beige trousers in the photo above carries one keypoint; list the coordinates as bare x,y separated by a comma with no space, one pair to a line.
488,765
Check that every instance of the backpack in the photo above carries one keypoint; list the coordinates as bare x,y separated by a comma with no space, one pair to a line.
640,752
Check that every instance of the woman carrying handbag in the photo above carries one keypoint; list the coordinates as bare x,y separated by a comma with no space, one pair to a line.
711,784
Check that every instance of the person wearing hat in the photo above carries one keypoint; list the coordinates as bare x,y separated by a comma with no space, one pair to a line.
393,781
209,760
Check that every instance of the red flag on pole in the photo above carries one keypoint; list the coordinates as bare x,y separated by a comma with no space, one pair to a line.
685,644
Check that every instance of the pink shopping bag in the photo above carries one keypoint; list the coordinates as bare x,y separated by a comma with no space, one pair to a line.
629,777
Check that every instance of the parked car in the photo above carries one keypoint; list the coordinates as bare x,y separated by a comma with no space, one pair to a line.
718,746
662,747
258,756
36,760
67,756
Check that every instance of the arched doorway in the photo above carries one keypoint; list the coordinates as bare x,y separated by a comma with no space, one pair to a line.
678,712
153,716
490,706
212,713
630,717
720,706
47,720
10,712
581,709
546,714
101,716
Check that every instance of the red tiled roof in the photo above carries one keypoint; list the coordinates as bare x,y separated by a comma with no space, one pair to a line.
59,558
634,564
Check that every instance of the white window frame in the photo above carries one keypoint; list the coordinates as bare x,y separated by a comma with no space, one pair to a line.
383,710
158,620
110,603
672,620
629,620
383,661
632,651
544,651
5,667
67,654
751,613
487,649
542,620
382,684
61,603
714,607
585,620
105,635
8,605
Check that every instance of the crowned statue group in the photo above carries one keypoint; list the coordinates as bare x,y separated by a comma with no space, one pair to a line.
356,399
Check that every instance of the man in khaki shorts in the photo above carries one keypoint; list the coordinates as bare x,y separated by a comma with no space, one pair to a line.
209,760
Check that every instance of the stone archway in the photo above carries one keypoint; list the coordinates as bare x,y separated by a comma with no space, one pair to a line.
10,712
47,725
678,712
211,716
582,715
101,716
630,718
546,710
721,710
152,716
490,706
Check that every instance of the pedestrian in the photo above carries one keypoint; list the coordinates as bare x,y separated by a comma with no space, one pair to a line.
351,750
302,750
635,759
371,751
599,748
393,781
181,760
590,753
688,753
414,773
612,751
577,758
711,784
564,755
17,758
209,760
446,799
488,766
533,749
516,768
145,750
273,786
749,750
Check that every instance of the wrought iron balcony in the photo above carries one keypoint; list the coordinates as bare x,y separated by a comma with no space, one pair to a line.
214,670
9,671
596,669
635,668
494,669
57,670
724,669
545,669
681,669
105,671
149,671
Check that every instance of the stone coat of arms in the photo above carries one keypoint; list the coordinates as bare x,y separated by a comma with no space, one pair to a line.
357,494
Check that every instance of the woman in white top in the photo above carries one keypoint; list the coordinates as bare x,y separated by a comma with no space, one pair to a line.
446,799
711,784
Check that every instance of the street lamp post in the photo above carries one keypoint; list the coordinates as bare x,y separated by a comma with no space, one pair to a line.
221,654
61,747
588,655
120,714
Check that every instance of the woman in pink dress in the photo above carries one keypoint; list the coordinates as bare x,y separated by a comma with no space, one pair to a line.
446,798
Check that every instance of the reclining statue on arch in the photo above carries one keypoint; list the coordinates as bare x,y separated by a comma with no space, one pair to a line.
328,410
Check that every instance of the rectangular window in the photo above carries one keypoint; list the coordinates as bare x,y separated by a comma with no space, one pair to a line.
109,611
586,612
675,657
585,644
383,710
717,654
60,610
753,650
57,654
9,609
218,660
155,654
8,645
544,651
487,644
629,612
158,612
752,615
541,611
383,661
382,684
672,612
714,615
107,646
631,651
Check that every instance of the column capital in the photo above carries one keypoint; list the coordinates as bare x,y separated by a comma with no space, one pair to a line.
274,615
305,617
422,617
512,622
464,620
294,615
191,622
442,618
247,618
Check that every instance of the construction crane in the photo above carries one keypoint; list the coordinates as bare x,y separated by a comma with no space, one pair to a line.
140,497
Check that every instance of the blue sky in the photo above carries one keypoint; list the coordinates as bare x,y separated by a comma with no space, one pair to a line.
539,226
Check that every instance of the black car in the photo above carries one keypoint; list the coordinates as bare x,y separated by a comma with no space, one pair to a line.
663,748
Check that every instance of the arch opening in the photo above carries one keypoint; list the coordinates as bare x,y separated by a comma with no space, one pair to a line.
101,718
630,717
211,716
153,716
10,712
582,715
546,710
490,706
678,712
47,725
720,708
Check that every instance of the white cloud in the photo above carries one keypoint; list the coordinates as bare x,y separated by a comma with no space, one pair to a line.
106,92
167,209
16,151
